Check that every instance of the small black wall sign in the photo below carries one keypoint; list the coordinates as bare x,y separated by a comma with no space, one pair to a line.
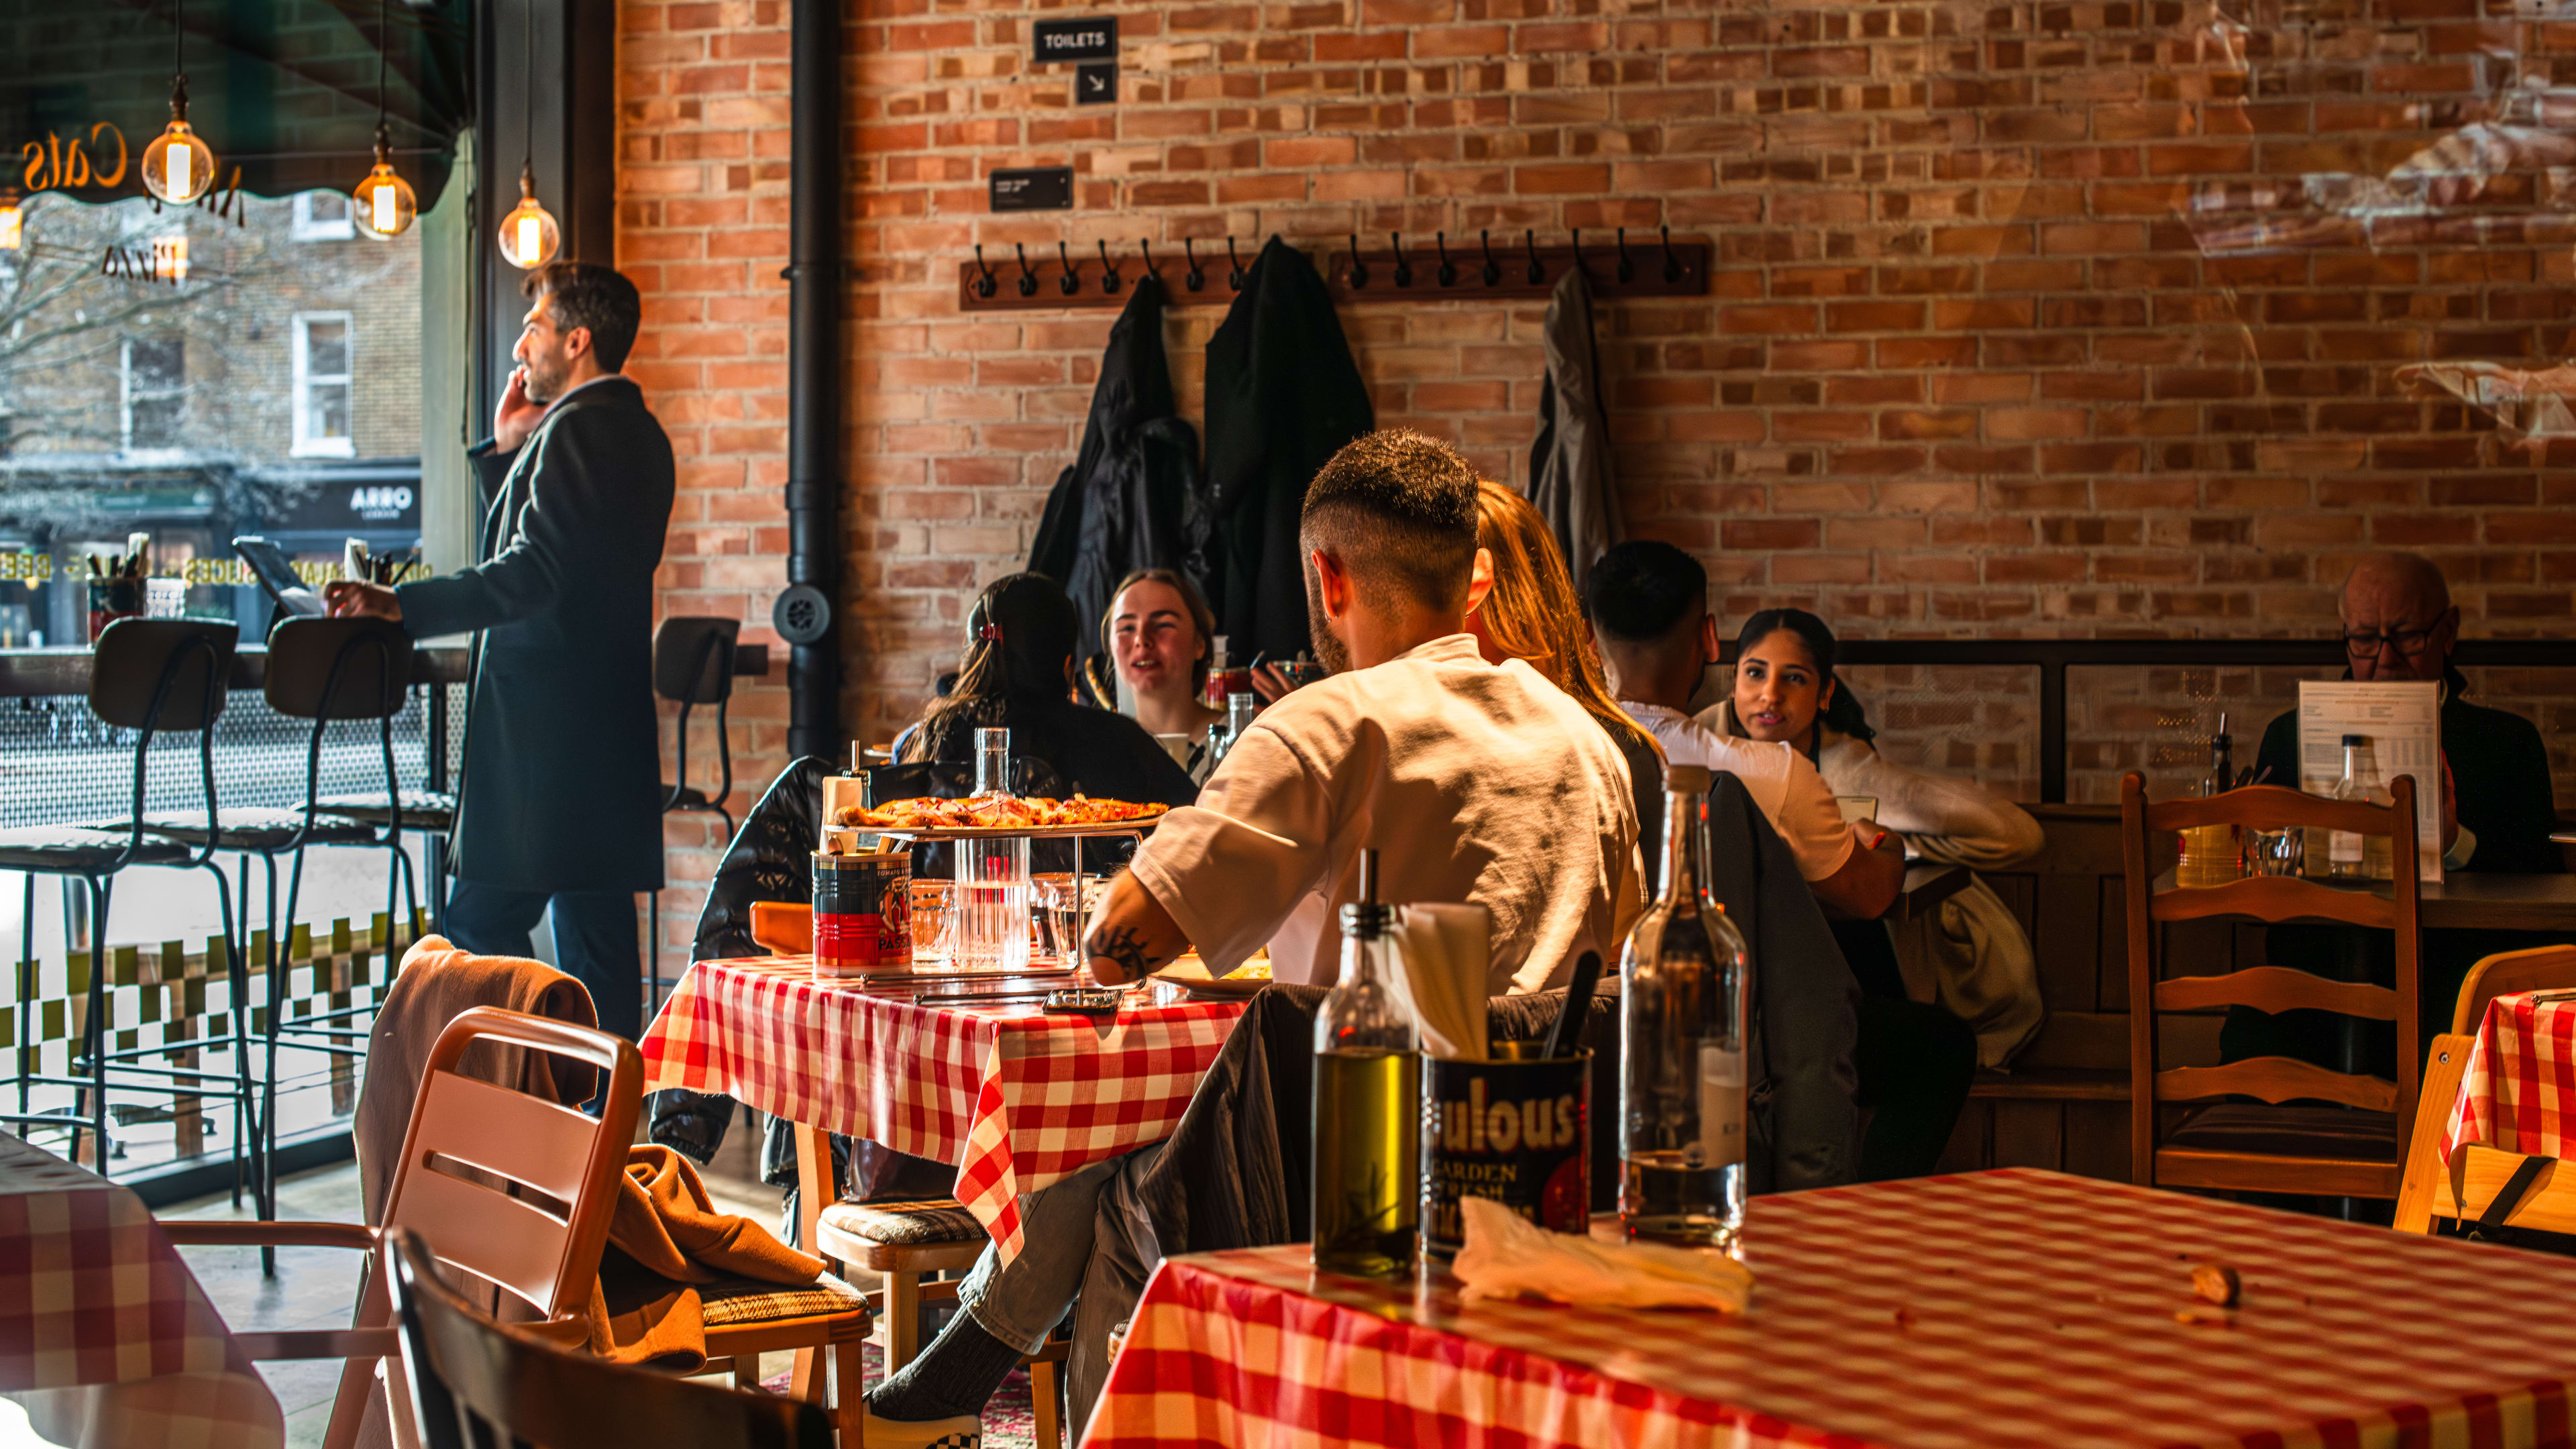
1062,40
1095,83
1033,188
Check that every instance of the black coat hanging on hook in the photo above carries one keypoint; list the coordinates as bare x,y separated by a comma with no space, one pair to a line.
1122,506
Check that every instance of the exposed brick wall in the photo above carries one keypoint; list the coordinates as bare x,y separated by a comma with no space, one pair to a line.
1980,357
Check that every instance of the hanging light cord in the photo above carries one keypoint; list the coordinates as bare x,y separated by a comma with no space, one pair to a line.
527,96
178,37
384,46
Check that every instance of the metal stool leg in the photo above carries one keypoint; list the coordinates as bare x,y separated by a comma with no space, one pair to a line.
94,1031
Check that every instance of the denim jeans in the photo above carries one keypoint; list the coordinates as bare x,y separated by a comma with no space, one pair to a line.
1022,1301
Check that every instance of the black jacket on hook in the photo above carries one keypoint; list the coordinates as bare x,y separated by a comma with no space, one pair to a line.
1126,501
1283,396
1570,479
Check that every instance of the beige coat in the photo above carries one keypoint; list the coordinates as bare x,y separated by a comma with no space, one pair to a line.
1971,955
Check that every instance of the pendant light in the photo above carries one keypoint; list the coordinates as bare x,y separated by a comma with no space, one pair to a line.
529,236
178,167
13,233
386,205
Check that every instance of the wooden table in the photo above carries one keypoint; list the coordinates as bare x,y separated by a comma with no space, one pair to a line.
2474,899
2007,1310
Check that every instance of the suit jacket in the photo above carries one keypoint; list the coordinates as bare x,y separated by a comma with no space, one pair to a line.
562,786
1570,477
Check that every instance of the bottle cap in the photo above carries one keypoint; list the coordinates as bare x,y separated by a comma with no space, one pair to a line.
2354,742
1365,918
858,757
1686,779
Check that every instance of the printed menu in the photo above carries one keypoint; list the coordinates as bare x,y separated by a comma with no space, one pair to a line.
2402,719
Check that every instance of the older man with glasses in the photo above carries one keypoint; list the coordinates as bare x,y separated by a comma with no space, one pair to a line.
2497,813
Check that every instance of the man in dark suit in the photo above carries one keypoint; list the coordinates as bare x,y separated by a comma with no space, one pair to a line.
561,797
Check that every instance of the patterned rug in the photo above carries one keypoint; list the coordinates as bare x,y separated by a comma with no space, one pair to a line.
1010,1421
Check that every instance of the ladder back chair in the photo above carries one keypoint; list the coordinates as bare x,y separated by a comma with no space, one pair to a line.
474,1382
2349,1149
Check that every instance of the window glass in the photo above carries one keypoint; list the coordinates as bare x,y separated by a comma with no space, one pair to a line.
155,386
323,216
323,385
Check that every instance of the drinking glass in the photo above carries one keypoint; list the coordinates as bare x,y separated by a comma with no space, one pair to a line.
165,598
930,943
2276,852
1061,912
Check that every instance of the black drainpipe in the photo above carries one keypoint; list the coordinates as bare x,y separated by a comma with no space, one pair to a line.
804,613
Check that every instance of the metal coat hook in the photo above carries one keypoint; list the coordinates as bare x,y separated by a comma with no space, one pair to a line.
1145,248
1109,278
1627,268
1537,270
985,285
1028,274
1403,268
1234,276
1448,269
1672,264
1578,254
1493,269
1068,283
1194,279
1359,268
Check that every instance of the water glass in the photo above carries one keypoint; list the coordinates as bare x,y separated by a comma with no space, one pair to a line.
1060,912
2275,852
165,598
930,942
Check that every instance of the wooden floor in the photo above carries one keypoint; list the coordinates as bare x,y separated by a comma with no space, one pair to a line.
315,1287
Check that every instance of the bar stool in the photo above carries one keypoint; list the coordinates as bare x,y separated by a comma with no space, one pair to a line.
152,676
692,665
326,670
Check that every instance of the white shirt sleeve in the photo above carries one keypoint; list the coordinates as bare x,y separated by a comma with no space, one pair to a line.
1231,868
1810,821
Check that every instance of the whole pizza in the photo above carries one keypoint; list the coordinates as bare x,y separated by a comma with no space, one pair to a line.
1005,812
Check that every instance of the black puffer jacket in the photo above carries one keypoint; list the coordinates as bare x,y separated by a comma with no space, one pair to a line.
1125,503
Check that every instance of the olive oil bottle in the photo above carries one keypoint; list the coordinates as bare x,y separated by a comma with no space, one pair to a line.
1367,1179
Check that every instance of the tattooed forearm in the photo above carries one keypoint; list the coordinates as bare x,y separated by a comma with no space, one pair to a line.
1122,948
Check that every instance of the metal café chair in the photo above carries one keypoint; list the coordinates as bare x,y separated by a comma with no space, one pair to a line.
154,677
325,670
692,665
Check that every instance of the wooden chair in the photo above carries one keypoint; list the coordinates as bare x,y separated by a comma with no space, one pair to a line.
2542,968
2347,1150
474,1382
2468,1186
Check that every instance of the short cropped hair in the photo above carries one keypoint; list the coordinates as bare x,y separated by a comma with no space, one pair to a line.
586,294
1398,510
1642,590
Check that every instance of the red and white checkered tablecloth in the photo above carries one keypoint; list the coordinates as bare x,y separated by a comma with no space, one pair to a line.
105,1336
2518,1092
1016,1098
2000,1310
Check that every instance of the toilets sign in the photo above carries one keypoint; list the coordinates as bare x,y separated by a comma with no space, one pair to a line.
1057,41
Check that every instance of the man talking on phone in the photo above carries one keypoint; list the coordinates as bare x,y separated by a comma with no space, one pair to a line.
561,795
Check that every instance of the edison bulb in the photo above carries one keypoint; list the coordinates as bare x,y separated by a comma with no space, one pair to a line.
529,236
385,204
12,222
178,166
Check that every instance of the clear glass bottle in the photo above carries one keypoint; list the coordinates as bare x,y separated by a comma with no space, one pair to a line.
1686,1000
1239,710
2351,855
1367,1177
989,908
2212,854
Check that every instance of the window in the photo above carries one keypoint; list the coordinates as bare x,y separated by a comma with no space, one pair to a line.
323,216
155,384
322,386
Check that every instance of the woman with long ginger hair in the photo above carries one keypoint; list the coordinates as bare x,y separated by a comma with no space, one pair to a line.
1531,615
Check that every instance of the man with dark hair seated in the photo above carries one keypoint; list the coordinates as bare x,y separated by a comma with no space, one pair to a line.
1473,781
1649,607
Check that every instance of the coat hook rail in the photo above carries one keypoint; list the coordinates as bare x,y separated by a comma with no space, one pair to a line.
1519,269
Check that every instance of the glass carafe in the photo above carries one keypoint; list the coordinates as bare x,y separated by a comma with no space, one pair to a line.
988,913
1685,1002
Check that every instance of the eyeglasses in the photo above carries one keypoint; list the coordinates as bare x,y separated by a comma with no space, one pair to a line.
2407,642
